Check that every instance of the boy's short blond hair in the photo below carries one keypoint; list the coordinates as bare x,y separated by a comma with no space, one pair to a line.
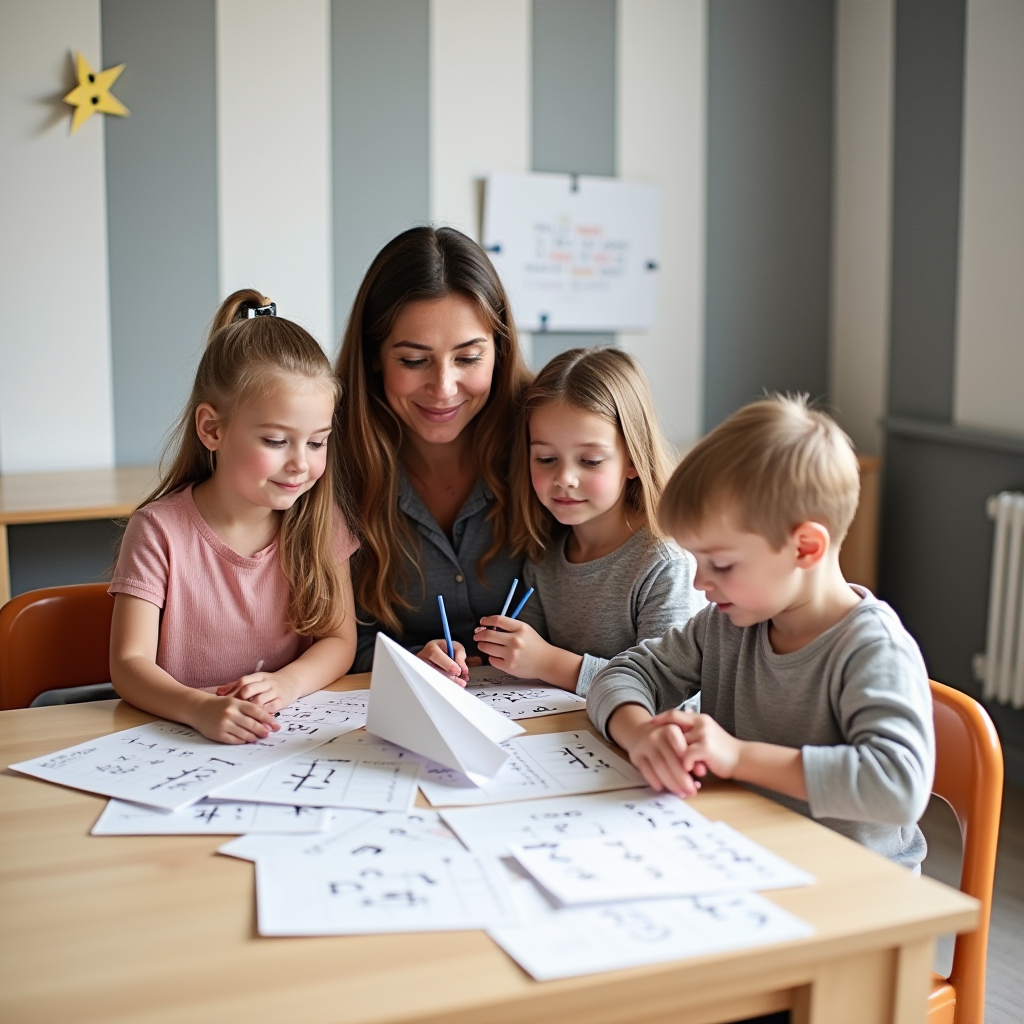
777,463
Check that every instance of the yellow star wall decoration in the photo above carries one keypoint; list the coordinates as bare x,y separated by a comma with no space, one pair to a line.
92,94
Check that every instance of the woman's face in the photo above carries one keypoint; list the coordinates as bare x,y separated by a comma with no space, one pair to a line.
437,365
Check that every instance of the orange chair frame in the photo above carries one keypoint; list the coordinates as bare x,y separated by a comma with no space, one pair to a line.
969,777
54,638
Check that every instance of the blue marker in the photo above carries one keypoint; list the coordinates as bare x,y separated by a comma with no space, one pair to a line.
447,631
508,600
519,607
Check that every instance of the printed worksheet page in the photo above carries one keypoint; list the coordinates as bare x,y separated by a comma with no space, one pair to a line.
206,817
551,764
520,698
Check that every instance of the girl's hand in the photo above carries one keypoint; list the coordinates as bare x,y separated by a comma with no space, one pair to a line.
708,745
660,750
514,647
268,689
229,720
436,653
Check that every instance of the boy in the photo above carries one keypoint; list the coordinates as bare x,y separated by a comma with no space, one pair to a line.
811,689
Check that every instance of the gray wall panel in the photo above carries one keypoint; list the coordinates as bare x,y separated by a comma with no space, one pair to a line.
161,210
926,206
573,110
380,55
770,69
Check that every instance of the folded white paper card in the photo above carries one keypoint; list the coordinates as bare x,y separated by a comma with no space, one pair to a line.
520,698
702,860
413,705
120,818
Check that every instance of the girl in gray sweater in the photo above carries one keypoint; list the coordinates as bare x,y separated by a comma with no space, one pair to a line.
588,469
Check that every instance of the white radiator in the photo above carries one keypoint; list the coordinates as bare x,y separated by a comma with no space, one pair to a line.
1001,668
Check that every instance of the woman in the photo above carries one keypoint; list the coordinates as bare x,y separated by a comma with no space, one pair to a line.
431,374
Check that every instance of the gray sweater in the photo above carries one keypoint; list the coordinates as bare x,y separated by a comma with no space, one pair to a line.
855,701
603,607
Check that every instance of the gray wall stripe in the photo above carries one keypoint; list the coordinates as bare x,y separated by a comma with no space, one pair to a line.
770,74
573,109
926,206
380,54
161,210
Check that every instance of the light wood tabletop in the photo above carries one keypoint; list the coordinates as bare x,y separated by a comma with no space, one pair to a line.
67,497
161,929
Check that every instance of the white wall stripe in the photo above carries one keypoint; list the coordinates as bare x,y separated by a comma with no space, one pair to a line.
274,155
662,61
989,386
862,217
55,390
479,102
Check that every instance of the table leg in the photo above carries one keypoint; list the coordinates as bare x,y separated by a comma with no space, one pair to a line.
913,979
5,567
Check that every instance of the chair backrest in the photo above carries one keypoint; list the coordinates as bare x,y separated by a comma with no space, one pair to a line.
53,638
969,777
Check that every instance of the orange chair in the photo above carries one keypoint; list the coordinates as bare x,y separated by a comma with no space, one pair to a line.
54,638
969,777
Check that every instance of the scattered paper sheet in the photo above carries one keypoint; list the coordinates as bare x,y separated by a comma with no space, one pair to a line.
169,766
351,702
208,818
364,834
493,829
551,764
520,698
413,705
365,892
356,770
706,859
588,940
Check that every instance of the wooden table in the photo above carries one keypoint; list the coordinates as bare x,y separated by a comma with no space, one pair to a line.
159,930
67,497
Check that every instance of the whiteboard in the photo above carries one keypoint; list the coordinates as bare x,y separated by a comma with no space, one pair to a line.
575,253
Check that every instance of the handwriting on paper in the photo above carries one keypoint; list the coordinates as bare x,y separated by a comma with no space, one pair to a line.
707,858
492,829
519,698
208,818
551,764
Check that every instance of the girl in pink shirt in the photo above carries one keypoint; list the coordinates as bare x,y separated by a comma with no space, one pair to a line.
232,590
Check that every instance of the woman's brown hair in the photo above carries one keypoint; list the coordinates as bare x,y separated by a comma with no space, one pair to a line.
609,383
421,264
244,358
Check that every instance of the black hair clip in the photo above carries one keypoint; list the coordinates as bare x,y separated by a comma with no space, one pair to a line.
270,310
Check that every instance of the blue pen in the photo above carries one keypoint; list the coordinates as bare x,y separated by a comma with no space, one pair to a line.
447,631
508,600
519,607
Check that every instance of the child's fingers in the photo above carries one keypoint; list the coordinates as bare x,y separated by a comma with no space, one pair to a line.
228,688
502,622
672,774
259,714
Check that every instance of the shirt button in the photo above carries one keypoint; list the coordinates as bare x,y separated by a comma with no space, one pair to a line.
458,579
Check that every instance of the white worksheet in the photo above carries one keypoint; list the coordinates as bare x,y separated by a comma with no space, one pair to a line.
491,830
169,766
208,818
705,859
356,770
588,940
367,892
361,833
549,764
520,698
351,702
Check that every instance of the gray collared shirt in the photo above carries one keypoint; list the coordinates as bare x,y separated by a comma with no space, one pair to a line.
450,569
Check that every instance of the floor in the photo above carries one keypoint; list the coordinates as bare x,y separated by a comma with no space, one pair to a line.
1005,988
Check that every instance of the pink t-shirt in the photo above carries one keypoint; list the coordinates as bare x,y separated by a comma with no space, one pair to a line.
222,613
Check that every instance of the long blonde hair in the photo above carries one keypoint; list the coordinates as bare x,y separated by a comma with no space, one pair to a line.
421,264
245,358
609,383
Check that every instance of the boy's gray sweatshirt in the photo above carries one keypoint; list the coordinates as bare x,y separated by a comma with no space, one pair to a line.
855,701
603,607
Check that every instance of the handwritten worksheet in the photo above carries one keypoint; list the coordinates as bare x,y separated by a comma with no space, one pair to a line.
587,940
355,770
169,766
551,764
520,698
353,703
366,892
208,818
493,829
359,833
707,858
